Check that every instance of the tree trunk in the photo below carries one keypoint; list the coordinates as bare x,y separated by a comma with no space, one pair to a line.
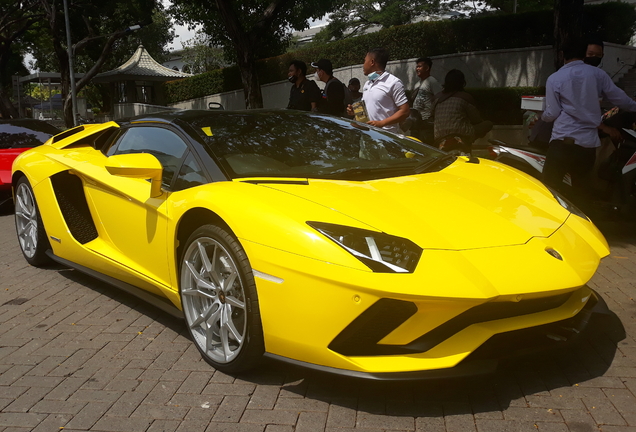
251,84
6,106
244,44
568,23
68,111
65,81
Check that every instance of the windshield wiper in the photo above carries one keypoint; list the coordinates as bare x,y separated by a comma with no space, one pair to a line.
435,164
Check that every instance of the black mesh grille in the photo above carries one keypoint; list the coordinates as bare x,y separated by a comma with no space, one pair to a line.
72,201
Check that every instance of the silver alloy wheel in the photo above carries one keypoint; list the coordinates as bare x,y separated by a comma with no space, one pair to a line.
213,300
26,220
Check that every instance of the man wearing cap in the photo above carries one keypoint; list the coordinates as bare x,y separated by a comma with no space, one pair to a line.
383,93
333,96
304,94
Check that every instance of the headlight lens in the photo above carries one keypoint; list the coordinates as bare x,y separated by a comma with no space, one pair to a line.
566,204
382,253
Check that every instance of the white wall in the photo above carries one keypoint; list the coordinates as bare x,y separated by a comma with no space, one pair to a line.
520,67
135,109
618,59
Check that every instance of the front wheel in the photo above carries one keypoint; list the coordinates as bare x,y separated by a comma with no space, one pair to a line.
28,223
219,300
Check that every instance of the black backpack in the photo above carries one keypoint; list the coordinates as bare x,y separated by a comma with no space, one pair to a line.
348,99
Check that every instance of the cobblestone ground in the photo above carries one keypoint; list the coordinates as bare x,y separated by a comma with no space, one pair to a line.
78,355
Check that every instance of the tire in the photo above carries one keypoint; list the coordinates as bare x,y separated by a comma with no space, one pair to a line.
219,300
28,223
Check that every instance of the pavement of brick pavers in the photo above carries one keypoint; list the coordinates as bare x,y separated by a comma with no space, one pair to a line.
78,355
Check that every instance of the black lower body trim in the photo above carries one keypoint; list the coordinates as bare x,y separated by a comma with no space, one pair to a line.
158,302
362,336
542,338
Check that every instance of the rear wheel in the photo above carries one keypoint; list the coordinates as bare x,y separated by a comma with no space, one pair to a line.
219,300
28,223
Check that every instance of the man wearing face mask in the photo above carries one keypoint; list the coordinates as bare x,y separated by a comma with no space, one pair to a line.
572,103
383,93
541,131
594,53
304,94
333,96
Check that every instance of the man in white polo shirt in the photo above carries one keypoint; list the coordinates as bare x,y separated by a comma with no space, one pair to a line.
383,94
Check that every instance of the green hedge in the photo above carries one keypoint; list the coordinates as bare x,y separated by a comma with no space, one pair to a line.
502,106
208,83
612,22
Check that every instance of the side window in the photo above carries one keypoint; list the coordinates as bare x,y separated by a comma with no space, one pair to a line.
161,143
190,175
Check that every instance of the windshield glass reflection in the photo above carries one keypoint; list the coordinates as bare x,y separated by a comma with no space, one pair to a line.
289,144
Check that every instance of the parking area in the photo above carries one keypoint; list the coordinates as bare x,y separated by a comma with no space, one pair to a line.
78,355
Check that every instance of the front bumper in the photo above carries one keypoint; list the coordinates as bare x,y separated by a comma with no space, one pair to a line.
485,360
318,313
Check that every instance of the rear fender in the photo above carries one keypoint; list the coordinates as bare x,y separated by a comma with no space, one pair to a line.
38,166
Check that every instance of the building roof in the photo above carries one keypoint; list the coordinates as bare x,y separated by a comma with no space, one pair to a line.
140,67
46,77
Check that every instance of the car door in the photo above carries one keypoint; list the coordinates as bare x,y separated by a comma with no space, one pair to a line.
133,224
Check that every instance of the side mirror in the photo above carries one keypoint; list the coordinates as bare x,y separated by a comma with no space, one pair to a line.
137,165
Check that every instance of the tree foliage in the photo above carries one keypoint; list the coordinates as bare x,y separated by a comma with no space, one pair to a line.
16,17
199,55
356,17
250,29
504,6
98,35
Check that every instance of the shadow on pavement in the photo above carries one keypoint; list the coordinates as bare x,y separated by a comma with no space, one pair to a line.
515,379
124,298
6,205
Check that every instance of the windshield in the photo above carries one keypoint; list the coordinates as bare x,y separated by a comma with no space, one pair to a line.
292,144
25,133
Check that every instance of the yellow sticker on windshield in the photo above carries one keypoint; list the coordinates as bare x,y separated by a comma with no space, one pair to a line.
409,154
207,131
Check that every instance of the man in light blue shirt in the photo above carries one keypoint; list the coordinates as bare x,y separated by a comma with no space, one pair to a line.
572,102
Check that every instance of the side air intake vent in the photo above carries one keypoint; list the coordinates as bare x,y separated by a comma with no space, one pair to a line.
72,201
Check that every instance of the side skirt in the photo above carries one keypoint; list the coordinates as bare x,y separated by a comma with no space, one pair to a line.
147,297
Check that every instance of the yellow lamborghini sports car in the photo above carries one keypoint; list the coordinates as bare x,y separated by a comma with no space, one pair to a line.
312,239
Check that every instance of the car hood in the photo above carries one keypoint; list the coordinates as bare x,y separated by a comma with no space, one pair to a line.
465,206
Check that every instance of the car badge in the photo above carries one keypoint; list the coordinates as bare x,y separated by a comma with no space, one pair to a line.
555,254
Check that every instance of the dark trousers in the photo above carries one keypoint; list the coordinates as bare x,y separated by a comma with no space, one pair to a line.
567,157
481,129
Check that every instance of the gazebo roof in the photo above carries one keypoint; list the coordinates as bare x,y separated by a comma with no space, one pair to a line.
140,67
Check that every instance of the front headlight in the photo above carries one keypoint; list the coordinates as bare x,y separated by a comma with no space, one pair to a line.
566,204
382,253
